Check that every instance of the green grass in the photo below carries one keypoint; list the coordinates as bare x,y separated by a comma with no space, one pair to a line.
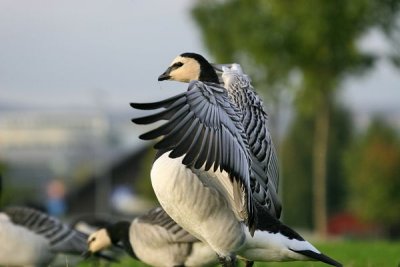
350,253
355,254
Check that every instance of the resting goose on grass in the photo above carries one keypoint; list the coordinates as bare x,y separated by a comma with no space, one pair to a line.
154,239
29,237
216,170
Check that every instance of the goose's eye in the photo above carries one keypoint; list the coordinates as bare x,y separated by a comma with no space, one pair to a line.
177,65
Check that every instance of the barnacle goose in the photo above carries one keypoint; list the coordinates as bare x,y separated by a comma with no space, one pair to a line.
155,239
213,127
29,237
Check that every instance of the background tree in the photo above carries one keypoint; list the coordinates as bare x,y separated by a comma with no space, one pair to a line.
373,169
313,40
297,158
2,170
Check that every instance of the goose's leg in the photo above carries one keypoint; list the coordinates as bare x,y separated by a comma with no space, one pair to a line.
227,261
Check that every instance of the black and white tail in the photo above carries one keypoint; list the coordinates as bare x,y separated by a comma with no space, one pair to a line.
319,256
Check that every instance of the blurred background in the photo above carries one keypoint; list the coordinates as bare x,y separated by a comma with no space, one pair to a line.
328,72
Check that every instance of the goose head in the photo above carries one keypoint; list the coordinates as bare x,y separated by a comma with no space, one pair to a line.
98,241
189,67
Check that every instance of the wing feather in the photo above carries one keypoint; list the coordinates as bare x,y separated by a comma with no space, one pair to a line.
190,155
167,127
203,150
210,151
185,143
155,105
265,178
208,133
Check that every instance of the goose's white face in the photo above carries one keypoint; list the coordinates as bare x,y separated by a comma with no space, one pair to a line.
99,240
182,69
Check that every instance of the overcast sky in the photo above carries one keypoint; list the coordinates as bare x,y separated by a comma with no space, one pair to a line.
64,52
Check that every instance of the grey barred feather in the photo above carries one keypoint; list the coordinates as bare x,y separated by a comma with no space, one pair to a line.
158,216
265,179
62,238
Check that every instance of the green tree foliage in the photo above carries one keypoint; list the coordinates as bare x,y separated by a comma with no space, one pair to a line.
296,172
296,161
373,170
315,39
2,170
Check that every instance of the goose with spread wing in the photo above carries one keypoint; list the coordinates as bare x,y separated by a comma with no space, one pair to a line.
201,172
216,170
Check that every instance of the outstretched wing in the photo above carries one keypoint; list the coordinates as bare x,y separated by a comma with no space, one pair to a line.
61,238
265,169
204,127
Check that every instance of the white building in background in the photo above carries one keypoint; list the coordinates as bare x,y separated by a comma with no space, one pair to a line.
38,145
50,136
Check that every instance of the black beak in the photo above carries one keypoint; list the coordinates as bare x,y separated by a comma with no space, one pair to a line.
165,75
87,254
106,257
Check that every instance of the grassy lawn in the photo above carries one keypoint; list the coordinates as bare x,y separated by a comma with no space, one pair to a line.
350,253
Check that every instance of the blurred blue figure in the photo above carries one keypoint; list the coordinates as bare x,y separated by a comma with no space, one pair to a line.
55,202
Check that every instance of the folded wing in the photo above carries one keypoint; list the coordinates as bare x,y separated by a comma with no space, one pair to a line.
265,169
158,216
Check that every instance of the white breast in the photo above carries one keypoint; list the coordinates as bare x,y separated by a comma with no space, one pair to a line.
201,255
199,207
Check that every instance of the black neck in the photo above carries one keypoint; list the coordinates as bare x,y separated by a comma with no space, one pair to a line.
207,72
119,232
